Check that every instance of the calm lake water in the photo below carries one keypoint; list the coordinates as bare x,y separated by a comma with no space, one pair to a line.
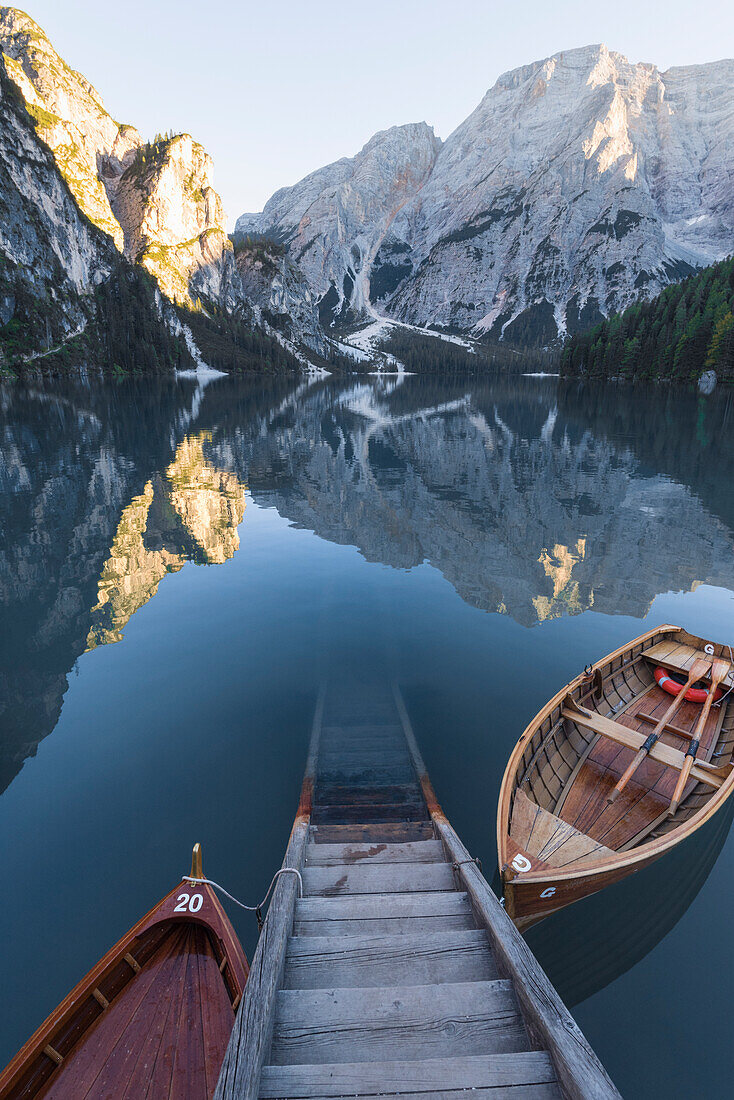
480,540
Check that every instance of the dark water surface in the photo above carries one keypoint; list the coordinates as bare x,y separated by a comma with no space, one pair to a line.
479,540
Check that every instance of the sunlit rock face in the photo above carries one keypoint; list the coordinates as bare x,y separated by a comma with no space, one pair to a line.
189,513
91,149
175,223
48,250
155,201
579,184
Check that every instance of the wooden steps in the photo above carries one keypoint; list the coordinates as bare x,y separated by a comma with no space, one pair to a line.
361,832
380,981
324,1026
529,1076
388,983
352,959
420,851
381,878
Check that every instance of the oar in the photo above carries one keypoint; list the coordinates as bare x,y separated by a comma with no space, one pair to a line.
699,668
719,669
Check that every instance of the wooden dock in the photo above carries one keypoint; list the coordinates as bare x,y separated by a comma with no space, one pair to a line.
397,972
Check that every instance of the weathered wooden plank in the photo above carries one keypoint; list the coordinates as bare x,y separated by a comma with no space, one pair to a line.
252,1031
362,775
338,794
580,1074
365,906
389,756
397,832
387,925
521,1092
497,1072
387,811
315,962
419,851
368,1025
361,733
378,879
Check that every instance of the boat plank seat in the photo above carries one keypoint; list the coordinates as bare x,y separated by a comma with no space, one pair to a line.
679,657
632,739
629,763
550,839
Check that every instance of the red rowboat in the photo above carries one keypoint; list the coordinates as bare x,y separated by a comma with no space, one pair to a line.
153,1017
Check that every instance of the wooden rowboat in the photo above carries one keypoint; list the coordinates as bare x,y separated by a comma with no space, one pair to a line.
152,1018
614,771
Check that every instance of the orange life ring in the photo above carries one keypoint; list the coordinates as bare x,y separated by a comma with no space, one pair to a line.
673,687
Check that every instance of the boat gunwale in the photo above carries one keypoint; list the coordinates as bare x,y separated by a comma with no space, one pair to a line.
631,858
217,924
580,1074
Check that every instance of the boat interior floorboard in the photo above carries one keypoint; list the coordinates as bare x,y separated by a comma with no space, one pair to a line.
154,1039
649,792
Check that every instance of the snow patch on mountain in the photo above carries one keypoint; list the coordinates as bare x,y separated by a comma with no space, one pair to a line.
579,184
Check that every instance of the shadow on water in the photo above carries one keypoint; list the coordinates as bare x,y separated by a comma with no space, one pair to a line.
592,943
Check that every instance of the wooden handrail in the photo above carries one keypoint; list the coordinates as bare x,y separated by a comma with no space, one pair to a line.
580,1074
252,1031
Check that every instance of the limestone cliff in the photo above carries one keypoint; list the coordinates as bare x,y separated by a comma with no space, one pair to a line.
278,287
580,183
90,148
173,219
155,200
51,258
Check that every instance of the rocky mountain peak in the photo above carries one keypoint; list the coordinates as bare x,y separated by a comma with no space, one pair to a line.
579,183
173,218
156,200
335,219
90,148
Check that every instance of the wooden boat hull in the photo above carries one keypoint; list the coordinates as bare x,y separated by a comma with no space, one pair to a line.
585,947
152,1018
559,839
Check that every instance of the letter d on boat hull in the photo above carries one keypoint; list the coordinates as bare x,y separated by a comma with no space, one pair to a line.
521,863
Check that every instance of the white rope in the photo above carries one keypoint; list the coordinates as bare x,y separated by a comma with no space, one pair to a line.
730,689
250,908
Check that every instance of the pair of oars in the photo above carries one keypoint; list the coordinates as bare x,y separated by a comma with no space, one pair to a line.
698,670
719,669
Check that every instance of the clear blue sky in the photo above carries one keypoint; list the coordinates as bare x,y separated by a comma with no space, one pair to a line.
274,90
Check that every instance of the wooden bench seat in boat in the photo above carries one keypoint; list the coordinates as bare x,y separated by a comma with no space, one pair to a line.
549,839
631,739
618,759
679,657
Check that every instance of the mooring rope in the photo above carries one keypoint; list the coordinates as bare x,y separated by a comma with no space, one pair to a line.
730,689
250,908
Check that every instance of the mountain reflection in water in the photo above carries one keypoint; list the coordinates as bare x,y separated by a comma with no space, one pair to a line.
534,499
189,513
551,517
